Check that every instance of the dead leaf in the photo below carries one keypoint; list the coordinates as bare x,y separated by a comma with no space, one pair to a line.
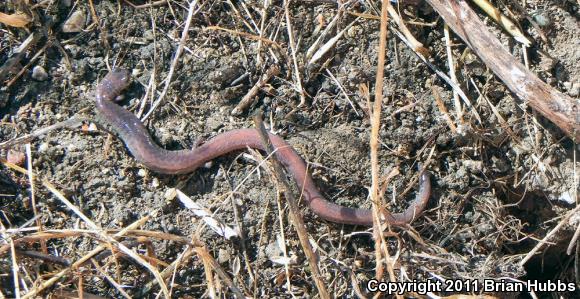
14,20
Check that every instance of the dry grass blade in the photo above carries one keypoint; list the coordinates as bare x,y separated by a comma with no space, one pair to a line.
245,35
291,41
315,47
546,239
343,90
442,75
58,234
33,195
15,269
297,220
282,241
184,35
115,284
69,123
456,102
172,268
98,24
215,266
207,269
573,241
74,294
330,43
48,283
91,224
152,4
217,226
108,238
504,21
266,4
503,123
416,46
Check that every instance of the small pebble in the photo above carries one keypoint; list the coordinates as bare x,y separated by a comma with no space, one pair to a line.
142,172
568,85
75,23
574,220
43,147
575,90
542,19
170,194
85,128
92,127
39,73
72,147
359,263
567,197
16,157
473,165
73,50
547,63
148,35
223,256
155,183
136,72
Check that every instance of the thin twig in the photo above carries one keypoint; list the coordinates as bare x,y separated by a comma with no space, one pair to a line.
246,35
416,46
443,109
250,97
573,241
69,123
297,220
292,43
115,284
562,110
108,238
374,146
102,33
147,5
184,35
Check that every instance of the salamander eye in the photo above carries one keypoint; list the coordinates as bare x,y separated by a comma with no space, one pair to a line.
119,98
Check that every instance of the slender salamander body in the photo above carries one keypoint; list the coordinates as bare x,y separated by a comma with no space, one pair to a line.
146,151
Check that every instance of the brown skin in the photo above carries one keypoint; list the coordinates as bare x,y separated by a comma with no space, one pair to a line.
144,149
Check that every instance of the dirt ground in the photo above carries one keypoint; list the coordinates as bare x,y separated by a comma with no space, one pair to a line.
502,184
